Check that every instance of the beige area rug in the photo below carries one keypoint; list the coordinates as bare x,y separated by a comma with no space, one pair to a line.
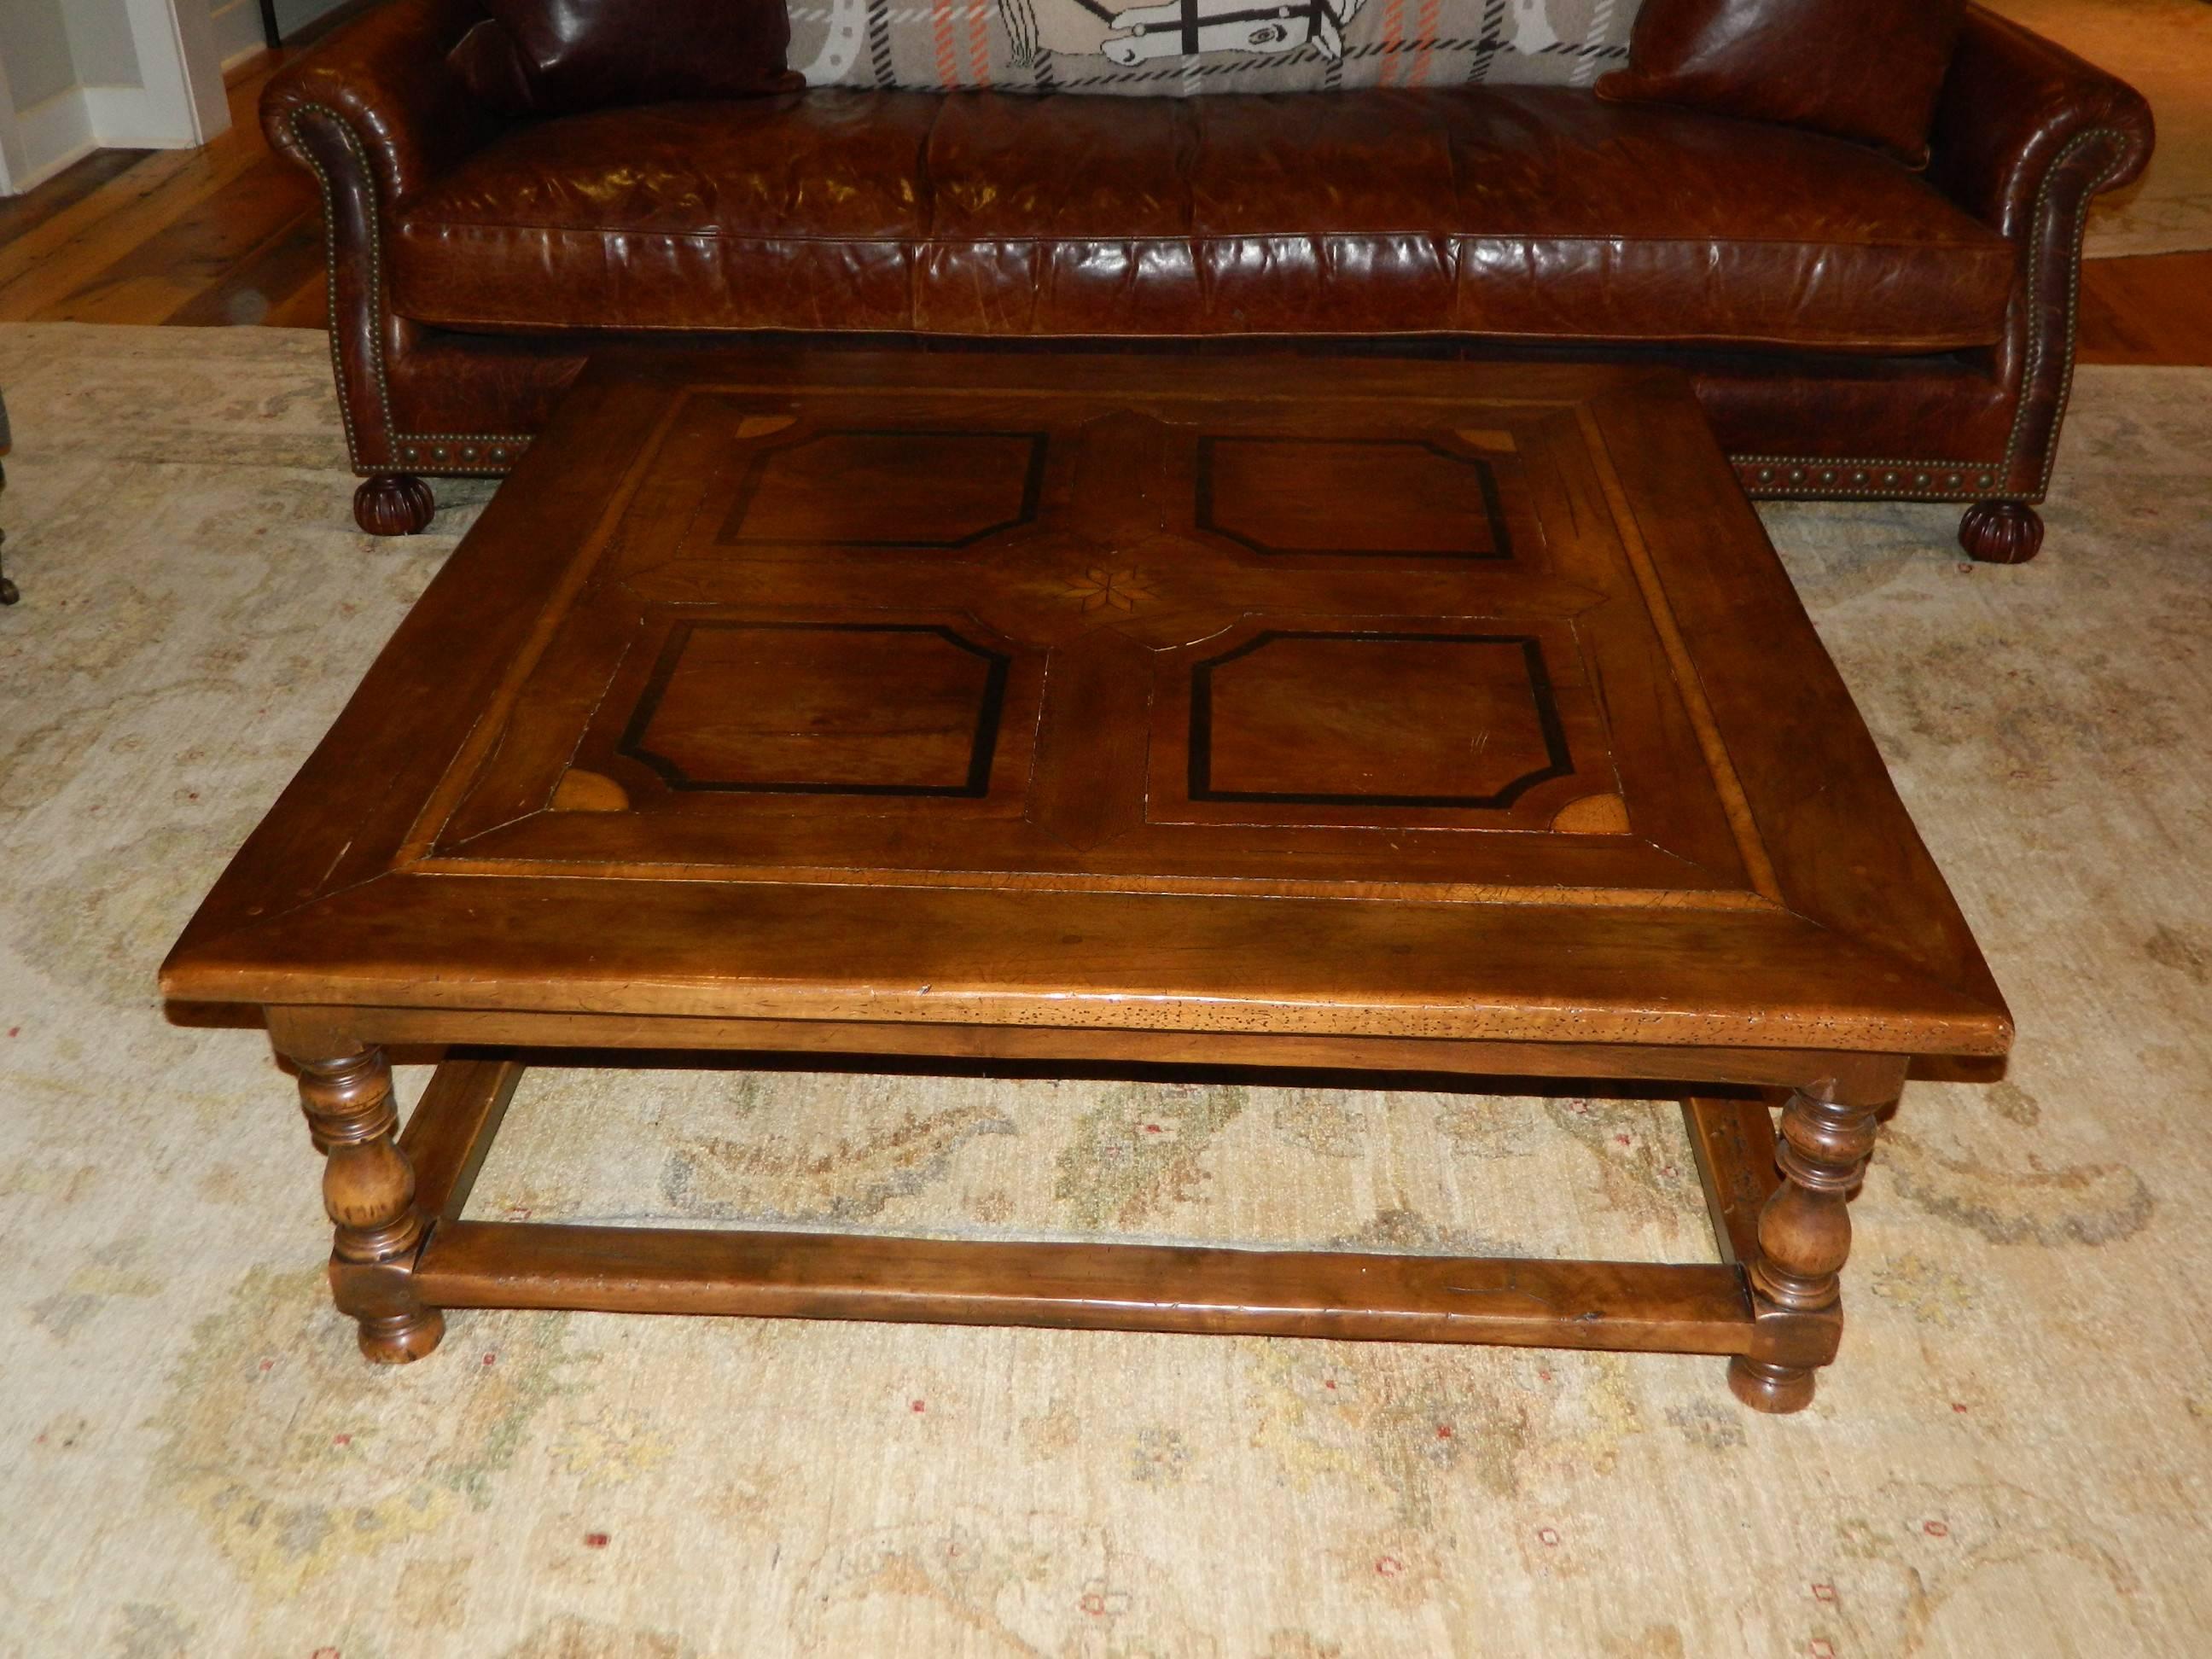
2163,48
2013,1457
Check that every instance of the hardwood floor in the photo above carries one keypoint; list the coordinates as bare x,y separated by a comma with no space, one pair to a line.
2157,309
231,234
19,215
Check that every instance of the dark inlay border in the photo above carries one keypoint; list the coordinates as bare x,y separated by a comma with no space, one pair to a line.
1539,689
1501,539
1032,488
988,713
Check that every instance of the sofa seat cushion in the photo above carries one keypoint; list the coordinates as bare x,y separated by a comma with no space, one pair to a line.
1529,212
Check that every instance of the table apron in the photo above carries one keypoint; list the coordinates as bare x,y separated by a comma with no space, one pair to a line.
510,1029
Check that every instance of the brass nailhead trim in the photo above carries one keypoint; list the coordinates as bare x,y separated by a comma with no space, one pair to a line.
2037,225
406,445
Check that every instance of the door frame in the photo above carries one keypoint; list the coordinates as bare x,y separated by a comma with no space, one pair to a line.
179,103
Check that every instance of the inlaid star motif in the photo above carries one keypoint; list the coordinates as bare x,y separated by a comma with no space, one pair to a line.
1118,587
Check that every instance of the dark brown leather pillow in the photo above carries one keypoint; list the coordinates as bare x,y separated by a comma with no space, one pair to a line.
555,57
1865,70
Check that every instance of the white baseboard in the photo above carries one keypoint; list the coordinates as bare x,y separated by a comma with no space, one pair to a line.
131,118
181,104
49,136
238,32
69,126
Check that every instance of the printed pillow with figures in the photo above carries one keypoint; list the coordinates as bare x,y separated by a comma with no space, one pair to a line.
1182,46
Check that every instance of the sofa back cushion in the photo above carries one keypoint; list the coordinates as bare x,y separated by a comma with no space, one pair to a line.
1864,69
1184,46
554,57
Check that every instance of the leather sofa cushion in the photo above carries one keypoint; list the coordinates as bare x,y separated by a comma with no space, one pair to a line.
1868,70
1513,212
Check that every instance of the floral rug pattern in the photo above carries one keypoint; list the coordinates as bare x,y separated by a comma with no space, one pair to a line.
2012,1456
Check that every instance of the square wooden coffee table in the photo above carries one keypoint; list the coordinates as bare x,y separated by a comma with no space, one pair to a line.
1388,717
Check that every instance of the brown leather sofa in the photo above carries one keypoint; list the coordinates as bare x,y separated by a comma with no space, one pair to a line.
1855,329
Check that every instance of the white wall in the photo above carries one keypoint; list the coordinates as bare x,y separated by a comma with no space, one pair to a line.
100,43
293,16
78,75
237,28
34,49
44,123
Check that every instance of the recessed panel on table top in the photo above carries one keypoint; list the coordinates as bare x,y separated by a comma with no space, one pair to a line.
1241,647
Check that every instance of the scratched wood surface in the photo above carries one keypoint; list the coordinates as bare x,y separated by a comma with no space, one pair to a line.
1369,700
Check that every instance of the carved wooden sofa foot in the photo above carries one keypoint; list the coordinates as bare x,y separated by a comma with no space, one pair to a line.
394,504
8,593
2002,532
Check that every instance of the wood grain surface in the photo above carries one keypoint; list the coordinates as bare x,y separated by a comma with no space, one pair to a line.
953,692
1369,717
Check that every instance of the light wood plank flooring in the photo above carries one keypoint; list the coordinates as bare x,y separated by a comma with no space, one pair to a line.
229,233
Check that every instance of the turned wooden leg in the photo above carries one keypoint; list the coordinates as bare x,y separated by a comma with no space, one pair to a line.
369,1191
1804,1238
394,504
2002,532
8,593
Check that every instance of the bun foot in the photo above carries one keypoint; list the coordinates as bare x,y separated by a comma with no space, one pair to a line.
2002,532
401,1339
1775,1390
8,593
394,504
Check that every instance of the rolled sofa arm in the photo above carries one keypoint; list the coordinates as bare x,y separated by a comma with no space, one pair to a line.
377,115
2022,118
386,79
2026,134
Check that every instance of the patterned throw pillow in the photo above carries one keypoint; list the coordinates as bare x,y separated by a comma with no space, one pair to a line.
1183,46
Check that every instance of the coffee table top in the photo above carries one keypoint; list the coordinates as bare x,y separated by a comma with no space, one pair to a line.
1239,694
